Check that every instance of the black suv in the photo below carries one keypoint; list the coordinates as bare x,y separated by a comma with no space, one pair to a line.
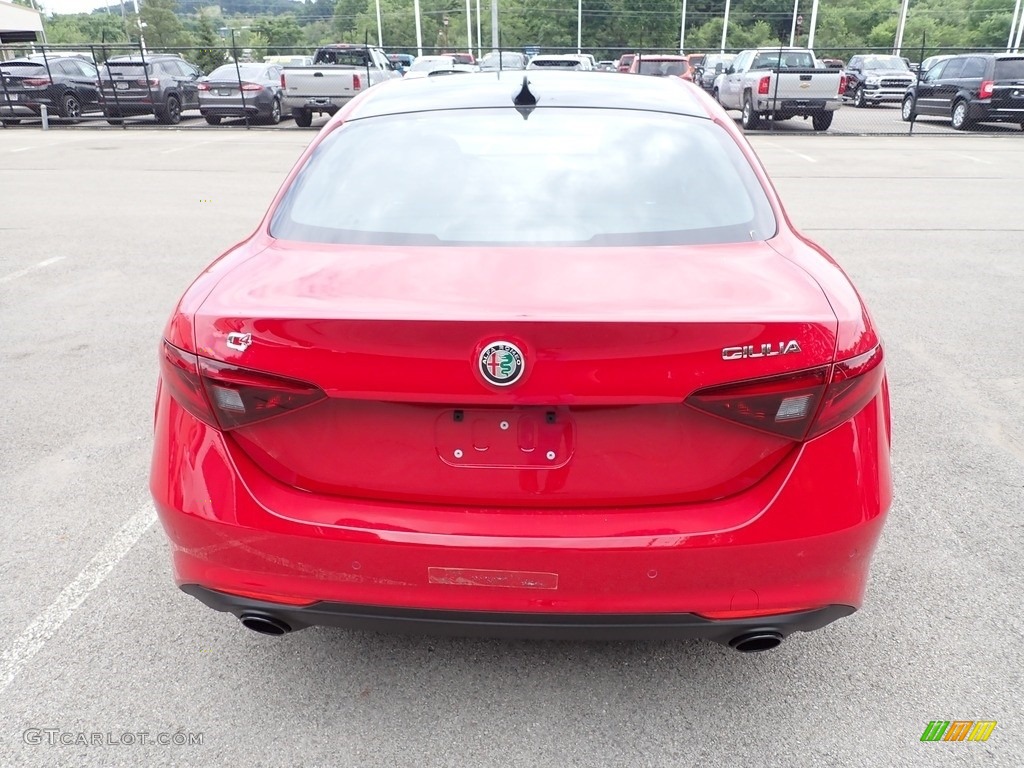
161,84
66,85
874,78
970,88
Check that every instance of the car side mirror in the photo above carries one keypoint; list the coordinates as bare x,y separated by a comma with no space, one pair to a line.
730,71
718,69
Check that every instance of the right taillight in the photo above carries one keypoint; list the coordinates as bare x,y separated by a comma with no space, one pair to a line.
226,396
284,84
855,382
762,85
987,89
797,405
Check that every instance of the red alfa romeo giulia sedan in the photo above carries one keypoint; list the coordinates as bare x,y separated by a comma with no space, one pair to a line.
537,358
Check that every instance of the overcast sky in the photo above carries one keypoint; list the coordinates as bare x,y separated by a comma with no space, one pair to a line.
75,6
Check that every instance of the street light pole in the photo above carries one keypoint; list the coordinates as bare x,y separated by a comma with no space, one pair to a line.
814,24
494,25
1020,28
792,28
469,28
380,31
579,26
1013,26
902,27
479,32
682,31
419,27
725,26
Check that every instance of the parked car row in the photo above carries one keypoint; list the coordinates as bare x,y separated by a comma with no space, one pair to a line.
163,85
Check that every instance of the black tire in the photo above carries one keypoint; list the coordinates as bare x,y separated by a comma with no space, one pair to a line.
958,117
115,121
273,117
171,112
70,108
303,117
821,120
714,95
908,109
212,119
750,119
858,98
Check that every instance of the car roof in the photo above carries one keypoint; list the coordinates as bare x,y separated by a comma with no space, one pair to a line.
483,90
138,60
662,57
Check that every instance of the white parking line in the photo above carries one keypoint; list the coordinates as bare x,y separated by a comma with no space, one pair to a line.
977,159
808,158
45,625
27,270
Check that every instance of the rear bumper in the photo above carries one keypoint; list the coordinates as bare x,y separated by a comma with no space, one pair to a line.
800,540
796,106
985,111
532,626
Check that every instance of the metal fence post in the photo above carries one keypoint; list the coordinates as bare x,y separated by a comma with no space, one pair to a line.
145,74
238,71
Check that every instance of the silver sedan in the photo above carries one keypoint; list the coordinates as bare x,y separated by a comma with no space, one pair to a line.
250,90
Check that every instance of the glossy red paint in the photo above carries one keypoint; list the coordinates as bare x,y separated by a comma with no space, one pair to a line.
590,487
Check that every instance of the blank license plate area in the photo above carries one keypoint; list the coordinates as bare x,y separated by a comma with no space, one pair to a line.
121,85
498,438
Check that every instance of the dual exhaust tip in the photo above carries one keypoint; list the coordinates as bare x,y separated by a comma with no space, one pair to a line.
749,642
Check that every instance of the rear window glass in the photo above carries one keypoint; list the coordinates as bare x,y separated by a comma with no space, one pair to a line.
22,66
128,70
1009,69
228,72
357,57
490,177
554,63
655,67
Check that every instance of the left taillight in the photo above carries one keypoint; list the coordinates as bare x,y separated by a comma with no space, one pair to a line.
226,396
798,405
252,87
842,84
357,83
986,90
763,84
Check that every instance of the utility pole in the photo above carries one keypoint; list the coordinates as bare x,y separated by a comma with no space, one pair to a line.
792,28
138,19
469,28
380,31
479,32
579,26
1013,26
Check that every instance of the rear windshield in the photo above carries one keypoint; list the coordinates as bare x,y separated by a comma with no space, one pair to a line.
784,60
128,70
357,57
228,72
25,65
1009,69
489,177
565,63
652,67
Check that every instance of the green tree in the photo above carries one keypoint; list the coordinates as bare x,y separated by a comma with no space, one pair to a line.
211,51
163,28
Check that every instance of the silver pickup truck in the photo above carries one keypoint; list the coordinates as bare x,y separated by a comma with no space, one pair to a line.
338,74
780,83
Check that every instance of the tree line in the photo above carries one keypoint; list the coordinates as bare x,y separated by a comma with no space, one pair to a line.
609,26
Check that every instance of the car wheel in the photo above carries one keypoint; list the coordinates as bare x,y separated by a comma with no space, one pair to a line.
858,98
70,107
171,113
959,117
821,121
274,116
908,109
750,119
303,118
212,119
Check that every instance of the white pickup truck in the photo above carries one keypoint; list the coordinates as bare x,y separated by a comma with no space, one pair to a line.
338,74
780,83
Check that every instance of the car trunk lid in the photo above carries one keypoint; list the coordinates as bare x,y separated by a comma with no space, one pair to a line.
612,341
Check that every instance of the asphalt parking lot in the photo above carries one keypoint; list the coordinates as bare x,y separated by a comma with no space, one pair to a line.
100,231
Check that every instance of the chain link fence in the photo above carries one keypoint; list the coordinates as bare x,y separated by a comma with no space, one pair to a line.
866,90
